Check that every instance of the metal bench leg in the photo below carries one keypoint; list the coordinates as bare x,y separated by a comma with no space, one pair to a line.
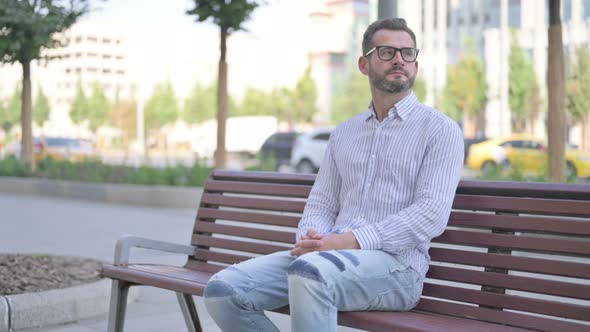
118,306
189,312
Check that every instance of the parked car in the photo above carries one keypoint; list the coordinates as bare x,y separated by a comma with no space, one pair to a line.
278,147
309,149
527,153
58,148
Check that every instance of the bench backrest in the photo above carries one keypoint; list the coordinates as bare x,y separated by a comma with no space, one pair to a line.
513,253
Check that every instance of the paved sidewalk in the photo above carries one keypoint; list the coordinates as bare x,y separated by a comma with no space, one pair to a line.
34,224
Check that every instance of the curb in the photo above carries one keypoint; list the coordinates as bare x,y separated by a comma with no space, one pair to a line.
57,306
127,194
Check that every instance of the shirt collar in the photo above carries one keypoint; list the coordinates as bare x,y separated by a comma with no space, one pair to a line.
401,109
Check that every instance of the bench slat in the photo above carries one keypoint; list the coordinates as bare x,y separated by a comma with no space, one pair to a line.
498,316
523,205
266,177
251,247
196,265
521,283
247,232
289,190
248,216
524,264
479,239
520,223
252,203
514,302
219,257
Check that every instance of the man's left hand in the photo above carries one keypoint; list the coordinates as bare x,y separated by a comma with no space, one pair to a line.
327,242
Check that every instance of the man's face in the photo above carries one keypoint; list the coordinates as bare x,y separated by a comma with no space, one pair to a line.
395,75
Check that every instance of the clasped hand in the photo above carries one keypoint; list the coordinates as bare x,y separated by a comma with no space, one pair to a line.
314,241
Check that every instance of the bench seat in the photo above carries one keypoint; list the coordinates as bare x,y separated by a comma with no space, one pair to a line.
179,279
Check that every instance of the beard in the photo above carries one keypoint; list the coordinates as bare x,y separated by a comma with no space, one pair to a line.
380,82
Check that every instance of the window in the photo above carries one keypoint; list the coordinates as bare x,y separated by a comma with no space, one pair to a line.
514,13
567,10
322,137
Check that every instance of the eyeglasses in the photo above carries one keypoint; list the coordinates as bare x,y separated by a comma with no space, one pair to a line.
386,53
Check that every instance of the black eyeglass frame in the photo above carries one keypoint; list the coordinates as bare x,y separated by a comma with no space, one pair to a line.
395,51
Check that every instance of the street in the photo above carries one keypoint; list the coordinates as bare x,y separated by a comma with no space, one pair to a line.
35,224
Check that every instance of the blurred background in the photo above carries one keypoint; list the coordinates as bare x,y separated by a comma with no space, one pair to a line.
131,91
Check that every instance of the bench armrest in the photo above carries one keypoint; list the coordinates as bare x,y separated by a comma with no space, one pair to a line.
126,242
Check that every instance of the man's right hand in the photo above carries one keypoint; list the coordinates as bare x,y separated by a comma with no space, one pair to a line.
311,234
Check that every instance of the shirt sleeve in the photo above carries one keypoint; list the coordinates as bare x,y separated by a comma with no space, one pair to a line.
428,215
323,204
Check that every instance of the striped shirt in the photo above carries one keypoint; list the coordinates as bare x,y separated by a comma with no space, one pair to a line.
391,183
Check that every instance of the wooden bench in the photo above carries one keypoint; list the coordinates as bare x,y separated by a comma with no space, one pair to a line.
515,256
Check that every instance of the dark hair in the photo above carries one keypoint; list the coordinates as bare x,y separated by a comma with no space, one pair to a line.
396,24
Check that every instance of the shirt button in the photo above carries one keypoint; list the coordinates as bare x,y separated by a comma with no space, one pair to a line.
373,156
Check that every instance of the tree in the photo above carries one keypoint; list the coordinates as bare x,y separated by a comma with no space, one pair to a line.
305,96
10,115
79,108
28,26
464,95
535,105
556,93
162,107
229,16
124,116
521,78
99,107
200,105
578,92
420,88
257,102
351,97
41,108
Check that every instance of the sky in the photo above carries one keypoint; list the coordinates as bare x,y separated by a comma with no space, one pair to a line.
165,43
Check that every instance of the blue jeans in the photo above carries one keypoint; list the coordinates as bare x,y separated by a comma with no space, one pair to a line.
316,286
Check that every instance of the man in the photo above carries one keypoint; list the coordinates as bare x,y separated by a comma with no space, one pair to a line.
384,190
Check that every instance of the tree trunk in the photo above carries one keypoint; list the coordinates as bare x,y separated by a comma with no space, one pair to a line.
221,102
556,94
26,117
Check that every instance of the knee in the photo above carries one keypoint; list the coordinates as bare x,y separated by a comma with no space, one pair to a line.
305,269
218,288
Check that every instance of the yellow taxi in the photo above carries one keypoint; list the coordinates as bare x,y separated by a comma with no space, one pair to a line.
526,154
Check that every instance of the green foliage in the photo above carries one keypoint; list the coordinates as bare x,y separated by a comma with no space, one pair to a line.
465,92
10,115
578,86
28,26
263,163
201,104
420,88
520,84
41,108
99,108
79,108
305,97
14,167
162,107
257,102
94,171
124,116
352,96
516,173
228,15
